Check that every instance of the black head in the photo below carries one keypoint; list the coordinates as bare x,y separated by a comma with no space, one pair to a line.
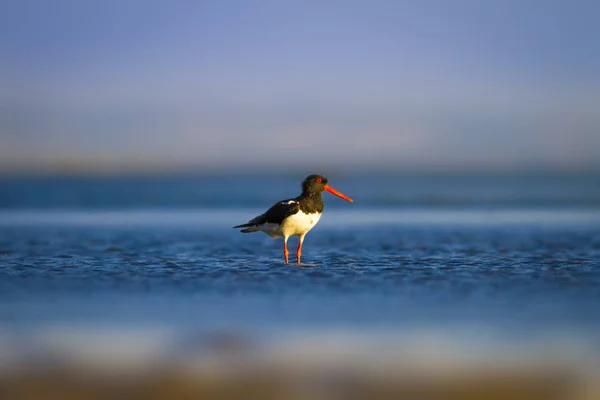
314,184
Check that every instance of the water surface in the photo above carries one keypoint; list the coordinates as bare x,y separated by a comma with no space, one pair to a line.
520,257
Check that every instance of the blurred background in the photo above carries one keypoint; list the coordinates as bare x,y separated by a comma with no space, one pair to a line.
134,134
209,86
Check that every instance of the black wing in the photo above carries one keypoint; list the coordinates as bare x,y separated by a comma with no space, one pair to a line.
276,214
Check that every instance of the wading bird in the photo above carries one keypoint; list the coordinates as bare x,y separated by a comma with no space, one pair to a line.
294,217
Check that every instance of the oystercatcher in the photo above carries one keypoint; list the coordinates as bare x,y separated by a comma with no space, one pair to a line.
294,216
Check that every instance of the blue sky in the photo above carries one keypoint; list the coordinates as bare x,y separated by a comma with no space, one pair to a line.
499,85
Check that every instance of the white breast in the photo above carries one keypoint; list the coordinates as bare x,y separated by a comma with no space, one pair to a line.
299,223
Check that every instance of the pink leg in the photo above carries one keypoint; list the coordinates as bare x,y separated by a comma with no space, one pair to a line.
285,250
299,250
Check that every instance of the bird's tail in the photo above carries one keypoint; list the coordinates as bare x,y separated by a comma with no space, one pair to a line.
249,228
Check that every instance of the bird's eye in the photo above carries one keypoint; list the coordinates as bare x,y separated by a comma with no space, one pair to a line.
319,180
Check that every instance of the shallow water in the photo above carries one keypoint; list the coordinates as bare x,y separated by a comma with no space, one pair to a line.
514,268
182,272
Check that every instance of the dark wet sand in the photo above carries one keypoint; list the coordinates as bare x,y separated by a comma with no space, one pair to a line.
281,383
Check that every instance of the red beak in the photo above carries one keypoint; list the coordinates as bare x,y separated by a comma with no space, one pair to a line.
338,194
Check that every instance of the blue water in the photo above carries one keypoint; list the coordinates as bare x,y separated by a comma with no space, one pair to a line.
230,191
508,252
